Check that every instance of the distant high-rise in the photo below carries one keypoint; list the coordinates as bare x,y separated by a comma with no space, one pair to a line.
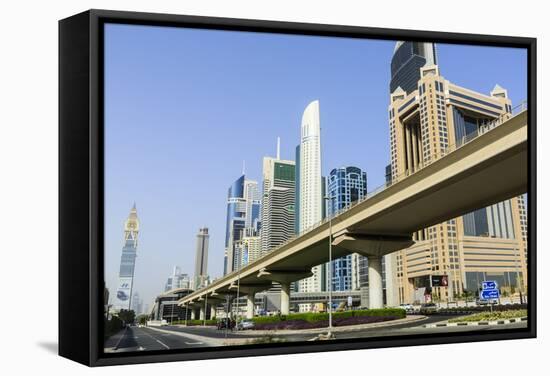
243,219
277,201
201,258
346,185
408,58
310,185
123,297
137,304
177,280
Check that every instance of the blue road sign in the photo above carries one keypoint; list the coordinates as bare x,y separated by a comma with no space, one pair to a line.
489,285
490,294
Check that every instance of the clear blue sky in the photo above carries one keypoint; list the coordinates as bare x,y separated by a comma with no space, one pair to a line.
184,108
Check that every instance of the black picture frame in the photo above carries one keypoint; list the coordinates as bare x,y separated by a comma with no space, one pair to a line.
81,181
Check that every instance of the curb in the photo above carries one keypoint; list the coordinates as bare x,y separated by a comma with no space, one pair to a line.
476,323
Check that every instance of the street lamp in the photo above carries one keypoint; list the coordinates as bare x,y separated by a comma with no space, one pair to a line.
186,312
329,199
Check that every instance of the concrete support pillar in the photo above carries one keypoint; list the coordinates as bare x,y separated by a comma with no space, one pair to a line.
250,305
285,298
375,282
202,312
193,314
212,311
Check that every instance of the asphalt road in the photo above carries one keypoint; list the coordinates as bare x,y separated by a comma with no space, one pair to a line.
177,337
142,339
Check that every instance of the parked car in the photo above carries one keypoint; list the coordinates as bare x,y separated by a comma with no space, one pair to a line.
245,324
409,308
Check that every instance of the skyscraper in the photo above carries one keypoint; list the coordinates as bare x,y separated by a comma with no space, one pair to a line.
177,280
277,201
346,185
243,219
408,58
485,244
201,258
137,304
310,184
123,299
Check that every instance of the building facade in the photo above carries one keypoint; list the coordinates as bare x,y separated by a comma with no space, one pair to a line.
177,280
251,249
243,219
123,297
408,58
489,243
201,258
346,185
311,201
278,199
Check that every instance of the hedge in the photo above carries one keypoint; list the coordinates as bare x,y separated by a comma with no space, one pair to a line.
312,317
195,322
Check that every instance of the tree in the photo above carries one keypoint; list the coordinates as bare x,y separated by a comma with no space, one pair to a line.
127,315
142,319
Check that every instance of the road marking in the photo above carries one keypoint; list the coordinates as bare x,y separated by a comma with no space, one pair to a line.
120,339
194,343
209,341
163,344
141,348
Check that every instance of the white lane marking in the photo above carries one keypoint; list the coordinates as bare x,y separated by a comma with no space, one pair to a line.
163,344
209,341
141,348
194,343
120,339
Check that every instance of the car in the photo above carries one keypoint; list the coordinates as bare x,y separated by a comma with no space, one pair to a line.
428,308
245,324
409,308
480,301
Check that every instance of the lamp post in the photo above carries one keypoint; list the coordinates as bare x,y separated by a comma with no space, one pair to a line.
329,334
186,312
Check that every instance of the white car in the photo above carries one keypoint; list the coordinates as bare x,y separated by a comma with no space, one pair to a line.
409,308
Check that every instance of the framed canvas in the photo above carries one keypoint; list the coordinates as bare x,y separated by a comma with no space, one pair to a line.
234,187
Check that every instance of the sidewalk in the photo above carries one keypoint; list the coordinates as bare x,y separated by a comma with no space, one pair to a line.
335,329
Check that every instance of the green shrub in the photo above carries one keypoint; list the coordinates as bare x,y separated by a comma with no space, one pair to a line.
312,317
492,316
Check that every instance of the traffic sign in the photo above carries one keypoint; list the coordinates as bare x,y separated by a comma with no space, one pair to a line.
489,285
490,294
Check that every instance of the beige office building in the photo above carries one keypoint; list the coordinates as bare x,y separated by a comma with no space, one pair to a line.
488,244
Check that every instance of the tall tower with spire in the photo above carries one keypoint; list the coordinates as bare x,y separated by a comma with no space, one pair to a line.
127,262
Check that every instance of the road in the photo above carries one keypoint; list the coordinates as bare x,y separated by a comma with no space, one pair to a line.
177,337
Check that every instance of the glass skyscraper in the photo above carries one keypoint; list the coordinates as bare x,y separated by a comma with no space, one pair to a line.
408,58
345,186
243,218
